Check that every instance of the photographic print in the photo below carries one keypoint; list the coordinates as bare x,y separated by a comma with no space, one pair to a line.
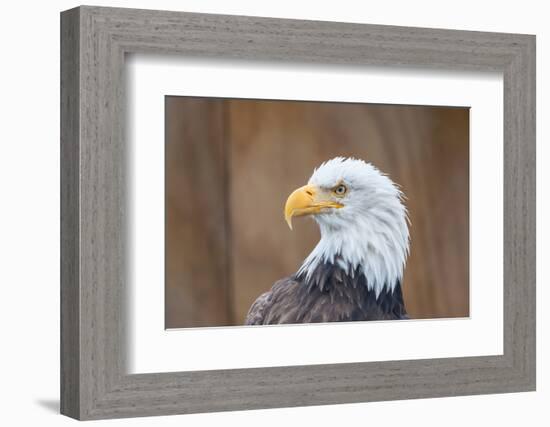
296,212
413,219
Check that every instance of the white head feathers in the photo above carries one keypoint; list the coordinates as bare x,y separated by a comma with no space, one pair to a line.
370,232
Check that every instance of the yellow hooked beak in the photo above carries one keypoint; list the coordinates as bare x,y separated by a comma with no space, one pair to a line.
308,200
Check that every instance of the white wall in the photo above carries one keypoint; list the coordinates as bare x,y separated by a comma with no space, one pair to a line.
29,225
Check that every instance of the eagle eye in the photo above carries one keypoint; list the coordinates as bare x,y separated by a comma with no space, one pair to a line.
340,190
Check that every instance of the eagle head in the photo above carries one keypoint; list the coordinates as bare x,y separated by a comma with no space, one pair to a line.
362,220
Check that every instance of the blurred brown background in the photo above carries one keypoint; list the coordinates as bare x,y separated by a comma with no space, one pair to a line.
230,165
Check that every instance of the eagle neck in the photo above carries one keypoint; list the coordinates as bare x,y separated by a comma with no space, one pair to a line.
375,250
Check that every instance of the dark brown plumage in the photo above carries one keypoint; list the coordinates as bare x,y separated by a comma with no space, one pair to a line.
330,295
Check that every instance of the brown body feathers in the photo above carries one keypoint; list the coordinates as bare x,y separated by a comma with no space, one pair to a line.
328,295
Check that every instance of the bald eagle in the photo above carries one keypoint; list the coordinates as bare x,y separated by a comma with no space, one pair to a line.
355,271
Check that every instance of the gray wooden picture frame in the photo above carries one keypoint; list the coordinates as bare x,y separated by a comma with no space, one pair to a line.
94,41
